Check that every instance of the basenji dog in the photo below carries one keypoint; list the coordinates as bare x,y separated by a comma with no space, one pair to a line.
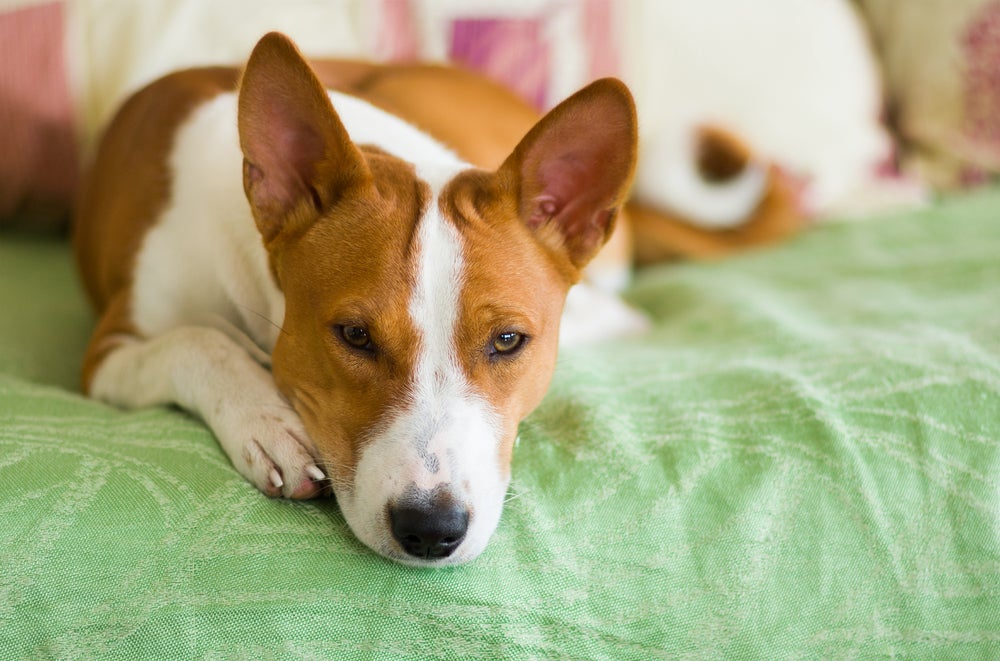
339,296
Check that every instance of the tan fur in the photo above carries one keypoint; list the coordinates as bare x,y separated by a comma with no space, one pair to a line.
514,290
479,119
337,392
520,275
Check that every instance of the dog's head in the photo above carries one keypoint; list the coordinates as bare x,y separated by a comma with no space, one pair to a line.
422,303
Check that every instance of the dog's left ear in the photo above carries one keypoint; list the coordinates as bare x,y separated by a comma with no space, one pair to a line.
574,168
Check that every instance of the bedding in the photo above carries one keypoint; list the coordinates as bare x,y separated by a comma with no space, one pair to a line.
801,459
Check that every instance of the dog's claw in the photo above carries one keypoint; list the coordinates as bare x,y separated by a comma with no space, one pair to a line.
269,447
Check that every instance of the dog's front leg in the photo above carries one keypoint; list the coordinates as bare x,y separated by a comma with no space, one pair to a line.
204,371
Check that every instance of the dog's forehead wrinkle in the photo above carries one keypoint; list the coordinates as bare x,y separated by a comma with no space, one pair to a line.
423,195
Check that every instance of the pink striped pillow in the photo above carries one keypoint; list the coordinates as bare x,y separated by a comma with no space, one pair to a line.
519,45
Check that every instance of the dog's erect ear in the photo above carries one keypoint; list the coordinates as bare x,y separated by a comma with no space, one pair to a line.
574,168
297,156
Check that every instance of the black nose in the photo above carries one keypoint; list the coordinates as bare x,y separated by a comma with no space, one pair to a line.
432,529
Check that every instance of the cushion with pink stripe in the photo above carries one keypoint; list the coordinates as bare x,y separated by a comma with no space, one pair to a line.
38,168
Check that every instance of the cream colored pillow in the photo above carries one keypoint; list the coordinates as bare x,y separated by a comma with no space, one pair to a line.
941,61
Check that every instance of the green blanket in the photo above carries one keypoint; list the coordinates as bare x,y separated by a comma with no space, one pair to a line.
801,460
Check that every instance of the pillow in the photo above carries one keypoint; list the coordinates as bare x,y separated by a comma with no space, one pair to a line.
38,169
940,59
65,66
542,49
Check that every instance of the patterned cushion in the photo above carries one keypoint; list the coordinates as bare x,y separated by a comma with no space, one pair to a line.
942,71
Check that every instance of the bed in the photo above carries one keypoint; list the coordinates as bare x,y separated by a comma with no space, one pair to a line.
801,459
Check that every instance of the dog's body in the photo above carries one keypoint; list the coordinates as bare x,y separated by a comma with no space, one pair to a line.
407,303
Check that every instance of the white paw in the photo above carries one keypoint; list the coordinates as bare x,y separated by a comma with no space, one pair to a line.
269,446
593,315
209,373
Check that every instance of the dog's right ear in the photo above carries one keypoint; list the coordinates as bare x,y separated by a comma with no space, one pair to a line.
297,157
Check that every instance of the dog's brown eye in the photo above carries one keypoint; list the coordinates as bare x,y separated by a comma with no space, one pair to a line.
356,336
507,342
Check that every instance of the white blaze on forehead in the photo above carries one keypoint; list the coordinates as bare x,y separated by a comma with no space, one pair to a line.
435,302
444,433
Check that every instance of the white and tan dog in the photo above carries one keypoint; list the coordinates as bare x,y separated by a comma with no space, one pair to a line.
337,294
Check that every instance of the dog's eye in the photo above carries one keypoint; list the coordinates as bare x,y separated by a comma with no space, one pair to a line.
356,337
507,343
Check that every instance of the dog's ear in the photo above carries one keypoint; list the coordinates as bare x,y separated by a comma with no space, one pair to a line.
572,171
297,156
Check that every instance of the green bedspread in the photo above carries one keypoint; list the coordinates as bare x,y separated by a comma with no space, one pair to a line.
801,460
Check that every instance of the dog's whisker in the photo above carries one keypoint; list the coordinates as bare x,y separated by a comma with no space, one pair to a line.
513,496
266,318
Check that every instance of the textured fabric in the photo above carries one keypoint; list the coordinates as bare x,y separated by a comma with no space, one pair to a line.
511,50
801,460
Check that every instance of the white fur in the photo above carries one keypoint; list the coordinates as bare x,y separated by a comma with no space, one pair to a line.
205,372
213,317
668,177
795,78
225,273
225,281
445,434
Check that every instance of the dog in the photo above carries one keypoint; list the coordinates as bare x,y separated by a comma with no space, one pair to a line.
343,299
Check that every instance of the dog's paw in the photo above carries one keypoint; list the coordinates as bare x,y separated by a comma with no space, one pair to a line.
593,315
271,449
